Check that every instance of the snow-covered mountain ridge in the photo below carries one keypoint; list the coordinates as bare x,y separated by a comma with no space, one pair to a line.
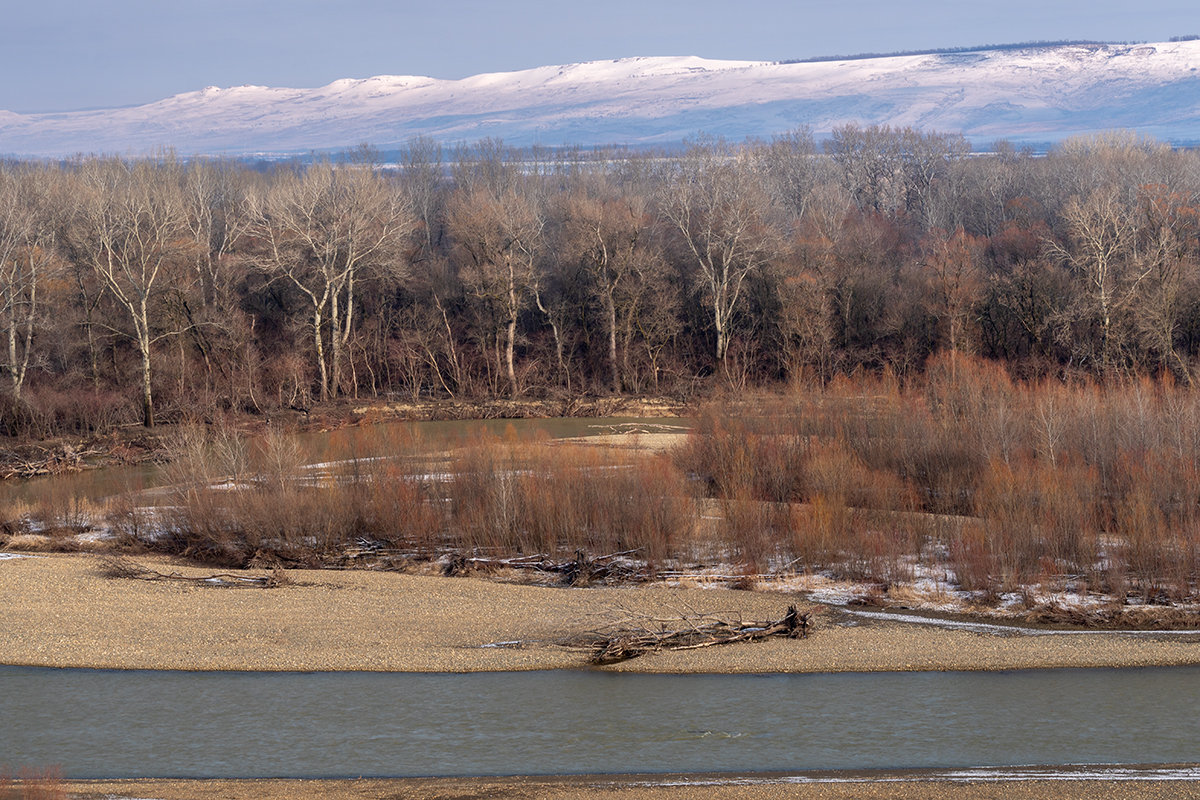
1035,94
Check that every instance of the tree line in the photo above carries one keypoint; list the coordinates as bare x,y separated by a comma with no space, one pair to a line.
164,288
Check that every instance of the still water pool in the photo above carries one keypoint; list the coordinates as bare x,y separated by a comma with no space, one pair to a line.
366,441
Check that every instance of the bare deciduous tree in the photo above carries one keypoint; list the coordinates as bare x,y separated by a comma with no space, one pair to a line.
498,238
28,258
870,163
607,230
1101,236
320,230
723,217
422,179
954,261
927,160
132,226
214,195
1167,252
790,167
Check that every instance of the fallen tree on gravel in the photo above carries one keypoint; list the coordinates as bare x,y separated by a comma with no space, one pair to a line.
634,636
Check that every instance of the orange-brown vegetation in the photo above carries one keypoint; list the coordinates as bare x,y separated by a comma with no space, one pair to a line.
33,784
493,495
1090,485
997,485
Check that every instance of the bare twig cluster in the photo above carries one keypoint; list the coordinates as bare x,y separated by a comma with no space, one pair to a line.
45,783
127,569
580,570
46,461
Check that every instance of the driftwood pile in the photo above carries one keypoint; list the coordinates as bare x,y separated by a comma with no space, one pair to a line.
578,571
131,570
48,461
637,636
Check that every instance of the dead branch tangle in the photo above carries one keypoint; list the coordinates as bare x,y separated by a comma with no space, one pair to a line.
635,636
131,570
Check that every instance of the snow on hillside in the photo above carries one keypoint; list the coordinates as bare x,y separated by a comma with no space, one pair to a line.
1032,94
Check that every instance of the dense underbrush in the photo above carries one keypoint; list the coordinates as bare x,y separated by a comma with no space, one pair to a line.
489,494
1007,484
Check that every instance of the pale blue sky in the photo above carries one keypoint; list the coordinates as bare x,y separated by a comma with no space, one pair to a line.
69,54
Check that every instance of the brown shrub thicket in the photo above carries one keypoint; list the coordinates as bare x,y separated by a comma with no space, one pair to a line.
1016,483
33,784
1001,484
492,494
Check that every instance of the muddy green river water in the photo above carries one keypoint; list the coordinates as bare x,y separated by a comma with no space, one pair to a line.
96,723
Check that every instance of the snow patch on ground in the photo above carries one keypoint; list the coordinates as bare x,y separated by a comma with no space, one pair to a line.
819,587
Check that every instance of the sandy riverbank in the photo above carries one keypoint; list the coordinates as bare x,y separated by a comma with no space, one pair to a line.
911,786
61,611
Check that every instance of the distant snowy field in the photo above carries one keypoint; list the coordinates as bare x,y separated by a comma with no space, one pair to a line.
1036,94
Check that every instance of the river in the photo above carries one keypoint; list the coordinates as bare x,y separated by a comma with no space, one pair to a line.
97,723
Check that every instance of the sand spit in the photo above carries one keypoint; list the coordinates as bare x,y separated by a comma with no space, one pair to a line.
61,611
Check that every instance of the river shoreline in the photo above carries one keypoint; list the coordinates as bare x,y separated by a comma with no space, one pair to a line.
63,611
1140,784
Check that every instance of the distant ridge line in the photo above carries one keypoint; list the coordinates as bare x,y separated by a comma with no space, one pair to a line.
1029,94
939,51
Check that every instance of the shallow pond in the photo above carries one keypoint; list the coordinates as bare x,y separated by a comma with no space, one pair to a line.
367,441
105,723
